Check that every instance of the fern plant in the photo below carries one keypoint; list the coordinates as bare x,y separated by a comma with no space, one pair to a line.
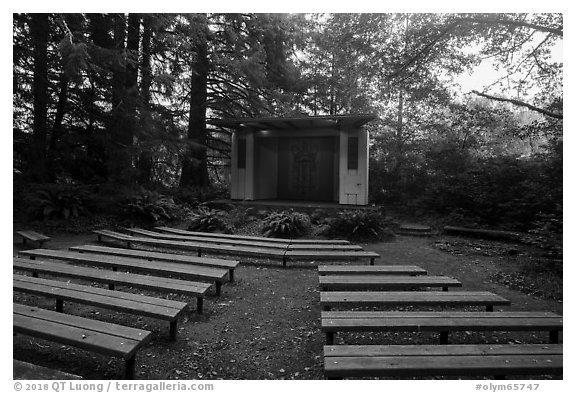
204,219
57,202
149,206
362,225
285,224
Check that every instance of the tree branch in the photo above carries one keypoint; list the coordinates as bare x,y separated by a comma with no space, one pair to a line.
521,103
518,23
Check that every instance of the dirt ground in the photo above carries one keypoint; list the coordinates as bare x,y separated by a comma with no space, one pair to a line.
266,325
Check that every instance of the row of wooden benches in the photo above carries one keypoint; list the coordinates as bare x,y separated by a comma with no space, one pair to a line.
425,360
277,249
97,336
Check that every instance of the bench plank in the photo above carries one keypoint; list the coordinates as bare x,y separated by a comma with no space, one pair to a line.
432,360
395,298
443,322
23,371
257,242
33,237
272,253
189,288
134,264
96,336
161,256
198,247
148,306
384,282
255,238
106,338
331,254
371,270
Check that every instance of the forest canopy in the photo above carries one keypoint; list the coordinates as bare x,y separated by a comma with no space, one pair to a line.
109,100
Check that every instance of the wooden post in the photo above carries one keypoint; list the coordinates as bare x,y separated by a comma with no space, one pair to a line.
130,367
218,288
173,330
231,275
199,305
330,338
443,338
59,305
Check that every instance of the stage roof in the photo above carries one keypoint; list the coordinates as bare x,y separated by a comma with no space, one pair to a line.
294,123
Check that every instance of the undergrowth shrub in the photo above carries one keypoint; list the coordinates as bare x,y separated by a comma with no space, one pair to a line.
238,216
56,201
149,206
285,224
361,225
204,219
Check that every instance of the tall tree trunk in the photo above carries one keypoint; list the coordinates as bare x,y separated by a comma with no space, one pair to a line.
58,119
144,162
194,163
400,140
40,32
119,162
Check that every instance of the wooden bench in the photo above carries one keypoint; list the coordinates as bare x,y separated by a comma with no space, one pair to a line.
242,242
91,335
24,370
255,238
396,361
272,253
436,321
161,256
384,282
325,270
403,299
218,276
198,247
167,310
324,255
33,237
163,284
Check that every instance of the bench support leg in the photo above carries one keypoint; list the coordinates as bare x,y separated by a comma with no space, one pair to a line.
218,288
59,305
231,275
443,338
325,308
284,261
130,367
99,238
111,286
489,308
330,338
173,330
554,337
35,274
444,289
199,305
372,261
